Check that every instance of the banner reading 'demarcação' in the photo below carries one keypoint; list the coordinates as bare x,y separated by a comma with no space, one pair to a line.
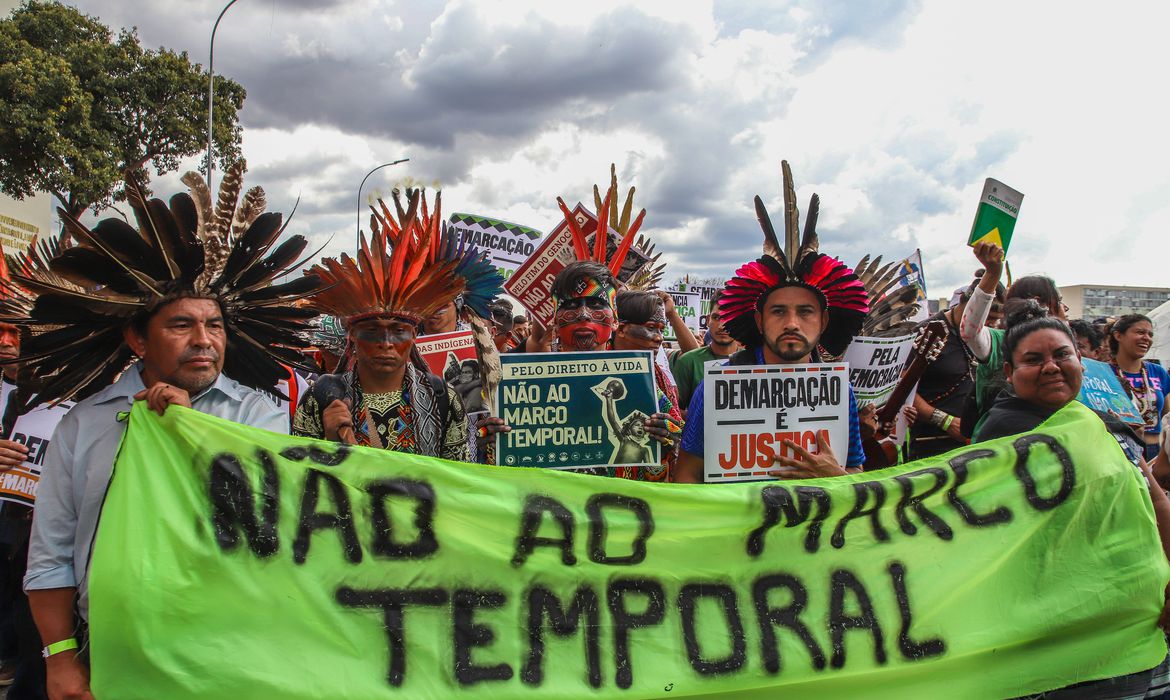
236,563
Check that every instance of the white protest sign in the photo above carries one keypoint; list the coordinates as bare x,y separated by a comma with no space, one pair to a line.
875,366
748,411
508,244
687,306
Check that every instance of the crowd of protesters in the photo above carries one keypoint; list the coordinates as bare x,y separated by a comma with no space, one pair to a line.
206,336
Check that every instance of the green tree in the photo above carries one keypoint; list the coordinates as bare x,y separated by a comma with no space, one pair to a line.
82,106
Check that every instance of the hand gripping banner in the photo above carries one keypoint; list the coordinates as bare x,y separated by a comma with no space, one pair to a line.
236,563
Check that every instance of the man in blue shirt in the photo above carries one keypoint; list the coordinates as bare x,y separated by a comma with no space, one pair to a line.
791,322
782,311
209,330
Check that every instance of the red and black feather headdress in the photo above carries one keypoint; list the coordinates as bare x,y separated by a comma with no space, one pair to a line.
838,288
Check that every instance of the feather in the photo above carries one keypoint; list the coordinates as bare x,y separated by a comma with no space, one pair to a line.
580,245
247,211
601,235
791,215
771,243
809,242
225,204
623,249
490,370
152,216
201,196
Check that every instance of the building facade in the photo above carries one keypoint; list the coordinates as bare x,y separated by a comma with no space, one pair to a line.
1091,301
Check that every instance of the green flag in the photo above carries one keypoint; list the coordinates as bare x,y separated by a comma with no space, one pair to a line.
236,563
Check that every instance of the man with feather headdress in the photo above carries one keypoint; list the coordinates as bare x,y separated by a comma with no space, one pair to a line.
588,318
190,294
786,307
384,394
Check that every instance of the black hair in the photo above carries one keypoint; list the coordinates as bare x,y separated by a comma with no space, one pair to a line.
1037,287
1086,330
1123,324
566,282
636,306
1023,317
715,301
519,319
501,314
1000,290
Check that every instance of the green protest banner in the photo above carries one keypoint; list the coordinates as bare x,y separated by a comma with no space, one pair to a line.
236,563
577,409
995,219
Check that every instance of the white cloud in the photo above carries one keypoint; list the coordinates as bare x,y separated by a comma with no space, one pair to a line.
893,112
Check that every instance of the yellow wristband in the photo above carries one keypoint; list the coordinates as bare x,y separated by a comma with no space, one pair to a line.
946,424
58,647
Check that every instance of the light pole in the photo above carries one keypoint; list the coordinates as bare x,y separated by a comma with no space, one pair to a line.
211,91
358,234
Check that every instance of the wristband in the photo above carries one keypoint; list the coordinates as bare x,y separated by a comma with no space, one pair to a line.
946,425
58,647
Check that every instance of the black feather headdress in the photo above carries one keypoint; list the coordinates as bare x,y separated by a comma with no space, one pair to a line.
117,274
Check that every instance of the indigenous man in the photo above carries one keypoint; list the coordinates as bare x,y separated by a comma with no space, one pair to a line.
386,396
196,306
586,315
781,313
688,367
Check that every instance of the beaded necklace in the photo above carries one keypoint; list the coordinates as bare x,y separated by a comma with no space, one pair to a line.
1146,400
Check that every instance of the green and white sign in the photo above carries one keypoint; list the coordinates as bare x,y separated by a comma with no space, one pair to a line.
999,206
509,244
569,410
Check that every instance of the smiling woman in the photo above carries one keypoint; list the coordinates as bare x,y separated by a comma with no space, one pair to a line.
1130,340
1043,369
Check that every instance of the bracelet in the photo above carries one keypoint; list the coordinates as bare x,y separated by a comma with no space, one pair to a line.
58,647
937,417
947,422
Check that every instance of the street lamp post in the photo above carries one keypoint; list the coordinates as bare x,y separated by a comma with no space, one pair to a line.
358,234
211,90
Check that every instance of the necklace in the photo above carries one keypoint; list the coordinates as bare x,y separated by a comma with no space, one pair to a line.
1146,400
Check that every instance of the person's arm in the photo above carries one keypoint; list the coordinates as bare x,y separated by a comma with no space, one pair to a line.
973,326
66,677
689,467
926,413
50,580
686,339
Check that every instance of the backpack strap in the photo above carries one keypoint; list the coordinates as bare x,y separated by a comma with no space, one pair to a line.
442,400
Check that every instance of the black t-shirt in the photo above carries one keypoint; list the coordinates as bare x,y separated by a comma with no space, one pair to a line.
1011,415
947,381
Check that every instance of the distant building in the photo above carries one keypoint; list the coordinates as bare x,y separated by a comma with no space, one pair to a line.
1090,301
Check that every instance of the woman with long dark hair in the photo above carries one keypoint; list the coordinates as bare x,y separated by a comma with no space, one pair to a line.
1043,370
1130,340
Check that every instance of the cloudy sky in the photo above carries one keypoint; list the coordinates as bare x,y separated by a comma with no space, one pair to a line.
894,111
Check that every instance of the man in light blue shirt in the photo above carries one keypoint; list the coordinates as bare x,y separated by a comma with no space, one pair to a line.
181,349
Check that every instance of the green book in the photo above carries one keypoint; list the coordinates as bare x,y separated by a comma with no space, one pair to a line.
999,205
